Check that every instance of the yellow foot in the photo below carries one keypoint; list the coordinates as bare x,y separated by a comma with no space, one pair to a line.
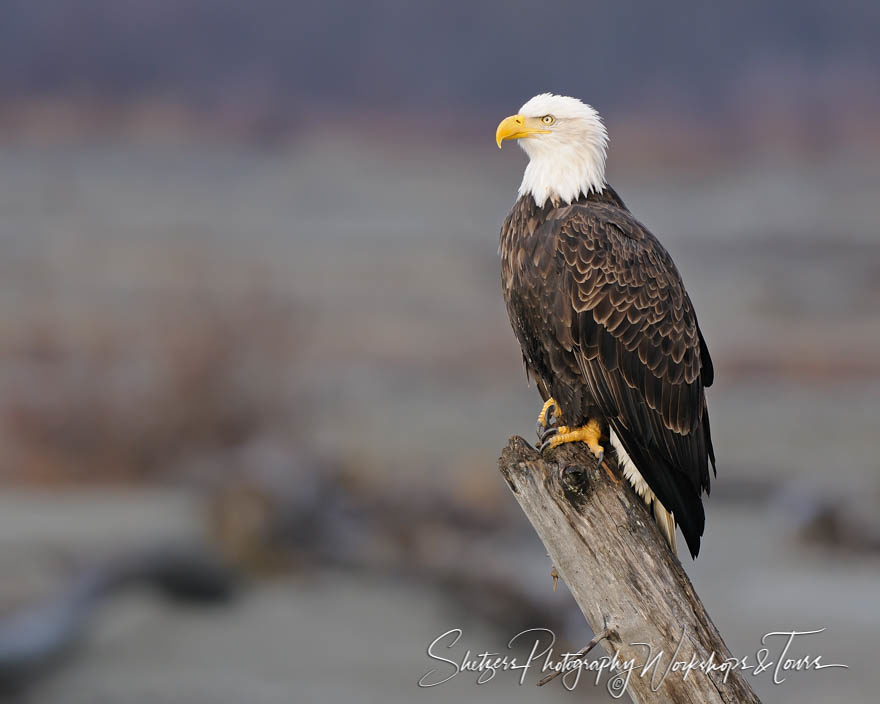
589,433
551,408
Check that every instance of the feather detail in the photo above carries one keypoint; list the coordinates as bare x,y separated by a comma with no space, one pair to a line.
663,518
606,326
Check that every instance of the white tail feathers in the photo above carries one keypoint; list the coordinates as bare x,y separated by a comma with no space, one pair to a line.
664,519
666,523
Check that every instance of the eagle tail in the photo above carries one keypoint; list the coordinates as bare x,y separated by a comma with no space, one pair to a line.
666,523
664,519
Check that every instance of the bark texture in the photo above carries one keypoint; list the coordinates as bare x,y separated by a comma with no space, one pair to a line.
624,577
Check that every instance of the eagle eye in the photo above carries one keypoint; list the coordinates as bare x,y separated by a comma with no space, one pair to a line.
548,120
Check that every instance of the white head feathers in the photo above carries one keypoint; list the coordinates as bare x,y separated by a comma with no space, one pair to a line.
570,160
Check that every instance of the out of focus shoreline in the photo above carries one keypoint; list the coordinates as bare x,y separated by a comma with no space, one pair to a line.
652,138
306,333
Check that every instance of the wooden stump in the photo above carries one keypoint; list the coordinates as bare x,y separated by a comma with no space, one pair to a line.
624,577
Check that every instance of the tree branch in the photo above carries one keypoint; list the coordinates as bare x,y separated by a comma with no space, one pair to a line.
622,574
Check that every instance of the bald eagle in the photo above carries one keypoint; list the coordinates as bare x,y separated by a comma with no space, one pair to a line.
607,329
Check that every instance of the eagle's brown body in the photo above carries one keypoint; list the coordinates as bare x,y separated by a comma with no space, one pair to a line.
607,330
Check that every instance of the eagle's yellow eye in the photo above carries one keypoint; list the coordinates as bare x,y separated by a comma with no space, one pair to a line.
548,119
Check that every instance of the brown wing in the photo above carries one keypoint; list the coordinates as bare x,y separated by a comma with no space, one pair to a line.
634,333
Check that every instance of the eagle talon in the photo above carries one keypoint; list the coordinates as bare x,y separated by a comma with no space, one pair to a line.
540,428
589,434
547,433
546,437
548,416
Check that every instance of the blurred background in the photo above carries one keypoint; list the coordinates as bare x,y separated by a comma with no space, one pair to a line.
254,353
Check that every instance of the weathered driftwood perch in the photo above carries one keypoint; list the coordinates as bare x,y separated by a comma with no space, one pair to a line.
625,579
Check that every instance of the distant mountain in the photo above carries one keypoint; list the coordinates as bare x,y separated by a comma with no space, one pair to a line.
434,54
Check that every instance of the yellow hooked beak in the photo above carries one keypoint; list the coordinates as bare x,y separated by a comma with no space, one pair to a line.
517,127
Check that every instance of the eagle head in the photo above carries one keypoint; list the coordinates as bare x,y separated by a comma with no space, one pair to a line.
565,141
